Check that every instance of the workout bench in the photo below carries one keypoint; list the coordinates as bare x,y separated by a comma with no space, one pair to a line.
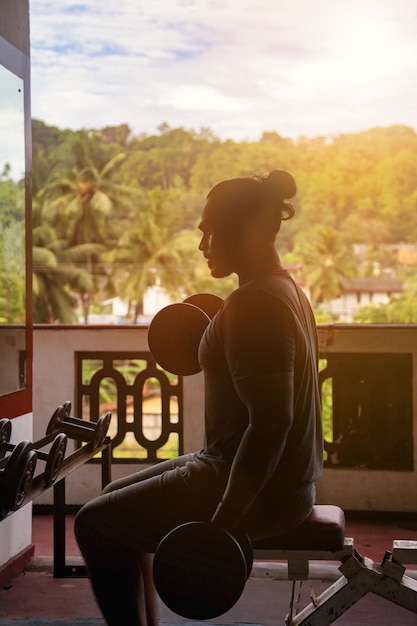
321,538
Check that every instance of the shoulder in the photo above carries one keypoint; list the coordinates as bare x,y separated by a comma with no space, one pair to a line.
267,295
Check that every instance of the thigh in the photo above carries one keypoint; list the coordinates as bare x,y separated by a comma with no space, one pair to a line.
148,472
137,515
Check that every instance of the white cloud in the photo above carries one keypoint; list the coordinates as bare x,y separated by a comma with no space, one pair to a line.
295,66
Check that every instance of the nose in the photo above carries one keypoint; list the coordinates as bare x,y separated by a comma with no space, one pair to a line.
203,243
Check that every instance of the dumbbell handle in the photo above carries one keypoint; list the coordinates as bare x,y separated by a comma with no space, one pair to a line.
64,417
75,432
39,453
82,430
76,421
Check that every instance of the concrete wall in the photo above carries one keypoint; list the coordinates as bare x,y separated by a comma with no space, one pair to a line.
15,530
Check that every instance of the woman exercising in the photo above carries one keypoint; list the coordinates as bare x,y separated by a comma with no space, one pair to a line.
263,442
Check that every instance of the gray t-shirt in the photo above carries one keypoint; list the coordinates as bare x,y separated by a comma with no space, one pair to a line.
265,326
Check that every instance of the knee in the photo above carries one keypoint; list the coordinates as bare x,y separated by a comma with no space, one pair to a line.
87,521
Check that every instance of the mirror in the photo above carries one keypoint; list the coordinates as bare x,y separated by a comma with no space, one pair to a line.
12,233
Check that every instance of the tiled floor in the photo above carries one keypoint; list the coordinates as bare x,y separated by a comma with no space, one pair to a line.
264,601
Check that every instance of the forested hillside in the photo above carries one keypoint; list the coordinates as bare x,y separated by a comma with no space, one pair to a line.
114,212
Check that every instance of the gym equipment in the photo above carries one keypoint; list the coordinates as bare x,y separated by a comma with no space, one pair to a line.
175,333
16,475
200,569
53,458
75,428
321,538
5,435
207,302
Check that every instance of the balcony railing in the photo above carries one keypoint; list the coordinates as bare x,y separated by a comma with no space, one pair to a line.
368,382
145,401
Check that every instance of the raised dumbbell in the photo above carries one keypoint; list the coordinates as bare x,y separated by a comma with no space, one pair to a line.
200,570
176,330
75,428
16,472
53,458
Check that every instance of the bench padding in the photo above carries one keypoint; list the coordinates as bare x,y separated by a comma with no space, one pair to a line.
324,529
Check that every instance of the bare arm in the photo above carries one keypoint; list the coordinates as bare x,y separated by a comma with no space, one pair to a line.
269,400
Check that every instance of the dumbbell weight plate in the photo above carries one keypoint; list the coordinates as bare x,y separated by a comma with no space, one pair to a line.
54,423
106,426
199,570
246,547
17,475
207,302
5,434
174,336
99,432
55,459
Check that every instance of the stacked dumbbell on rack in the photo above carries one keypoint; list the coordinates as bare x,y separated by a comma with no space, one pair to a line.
17,469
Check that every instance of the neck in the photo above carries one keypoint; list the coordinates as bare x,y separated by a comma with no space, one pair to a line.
266,262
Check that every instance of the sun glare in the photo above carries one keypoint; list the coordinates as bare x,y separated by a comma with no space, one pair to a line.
367,45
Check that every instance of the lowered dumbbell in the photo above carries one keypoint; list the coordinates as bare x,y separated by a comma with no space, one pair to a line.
16,470
175,332
200,570
76,428
53,458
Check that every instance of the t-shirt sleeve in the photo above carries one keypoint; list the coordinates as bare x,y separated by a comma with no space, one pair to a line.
259,335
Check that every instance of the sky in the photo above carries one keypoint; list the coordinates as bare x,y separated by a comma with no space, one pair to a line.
239,67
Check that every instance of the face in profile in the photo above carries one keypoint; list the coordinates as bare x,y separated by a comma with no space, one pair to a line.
218,241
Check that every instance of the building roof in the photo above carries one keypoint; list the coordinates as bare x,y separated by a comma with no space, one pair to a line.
372,284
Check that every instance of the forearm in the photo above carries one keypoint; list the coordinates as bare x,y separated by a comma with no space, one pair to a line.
253,465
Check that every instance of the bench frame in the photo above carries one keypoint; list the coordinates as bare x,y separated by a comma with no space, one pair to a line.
359,576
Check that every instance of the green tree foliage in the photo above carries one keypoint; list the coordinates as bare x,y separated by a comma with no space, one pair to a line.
156,247
326,258
12,274
137,199
12,249
60,279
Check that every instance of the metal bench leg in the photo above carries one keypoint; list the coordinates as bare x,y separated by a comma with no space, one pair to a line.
340,596
394,586
295,598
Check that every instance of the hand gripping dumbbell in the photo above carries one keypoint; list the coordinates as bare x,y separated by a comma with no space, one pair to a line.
176,330
16,470
53,458
200,570
75,428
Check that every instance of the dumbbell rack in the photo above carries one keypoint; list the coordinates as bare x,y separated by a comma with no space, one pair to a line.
61,569
70,464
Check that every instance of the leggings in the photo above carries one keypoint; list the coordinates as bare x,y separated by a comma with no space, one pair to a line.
133,514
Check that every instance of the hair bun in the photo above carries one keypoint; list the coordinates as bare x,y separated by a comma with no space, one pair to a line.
282,183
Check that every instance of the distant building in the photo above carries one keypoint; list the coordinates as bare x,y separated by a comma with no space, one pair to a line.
154,299
357,292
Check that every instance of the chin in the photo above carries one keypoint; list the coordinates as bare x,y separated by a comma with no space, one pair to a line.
217,272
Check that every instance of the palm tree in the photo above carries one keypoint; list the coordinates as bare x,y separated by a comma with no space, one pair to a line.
59,278
155,248
326,258
82,205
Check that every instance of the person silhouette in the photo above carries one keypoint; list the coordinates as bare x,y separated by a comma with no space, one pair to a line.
263,445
